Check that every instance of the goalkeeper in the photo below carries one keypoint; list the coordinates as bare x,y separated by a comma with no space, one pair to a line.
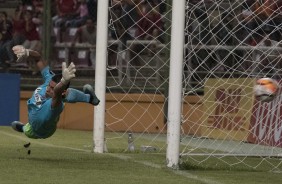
47,101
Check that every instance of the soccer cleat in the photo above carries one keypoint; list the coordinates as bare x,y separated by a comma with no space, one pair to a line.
18,126
88,89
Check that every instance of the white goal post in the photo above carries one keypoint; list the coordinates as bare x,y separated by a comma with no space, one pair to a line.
175,83
175,86
100,75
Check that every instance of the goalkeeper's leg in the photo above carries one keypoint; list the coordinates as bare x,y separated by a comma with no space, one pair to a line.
18,126
88,89
73,96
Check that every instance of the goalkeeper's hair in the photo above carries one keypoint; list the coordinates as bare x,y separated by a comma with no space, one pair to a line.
57,78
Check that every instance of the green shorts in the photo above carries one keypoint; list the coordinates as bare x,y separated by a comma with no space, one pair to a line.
28,132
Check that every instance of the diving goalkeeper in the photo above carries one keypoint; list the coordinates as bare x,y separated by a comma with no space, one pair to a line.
47,101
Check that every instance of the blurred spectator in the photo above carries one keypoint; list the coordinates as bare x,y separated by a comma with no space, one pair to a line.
92,9
263,15
200,11
38,15
149,27
262,18
131,14
31,34
125,14
277,21
268,59
224,29
27,2
19,26
83,14
264,9
38,6
161,6
6,30
245,21
116,11
66,10
248,22
35,5
38,21
32,37
87,34
225,35
18,35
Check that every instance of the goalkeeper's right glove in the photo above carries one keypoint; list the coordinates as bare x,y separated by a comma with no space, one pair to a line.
67,72
21,52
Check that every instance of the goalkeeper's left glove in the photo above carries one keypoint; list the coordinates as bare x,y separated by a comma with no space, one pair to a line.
67,72
21,52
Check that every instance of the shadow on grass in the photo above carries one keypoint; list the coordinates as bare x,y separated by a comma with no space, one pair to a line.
216,167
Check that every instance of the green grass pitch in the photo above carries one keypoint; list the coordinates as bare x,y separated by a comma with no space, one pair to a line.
67,157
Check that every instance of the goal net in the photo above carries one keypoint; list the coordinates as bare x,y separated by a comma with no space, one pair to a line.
228,45
137,76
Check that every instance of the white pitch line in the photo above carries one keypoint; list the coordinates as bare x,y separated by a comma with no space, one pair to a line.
122,157
41,143
157,166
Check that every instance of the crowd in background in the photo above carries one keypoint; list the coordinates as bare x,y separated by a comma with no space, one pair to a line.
74,21
247,23
257,23
25,26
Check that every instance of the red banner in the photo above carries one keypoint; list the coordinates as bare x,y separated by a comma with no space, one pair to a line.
227,109
266,123
231,112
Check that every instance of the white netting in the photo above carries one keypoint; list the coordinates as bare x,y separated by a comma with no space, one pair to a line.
228,44
137,68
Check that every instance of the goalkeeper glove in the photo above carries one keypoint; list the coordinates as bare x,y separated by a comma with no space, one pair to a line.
67,72
20,51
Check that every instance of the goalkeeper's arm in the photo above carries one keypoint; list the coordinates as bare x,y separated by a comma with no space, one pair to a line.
68,73
22,52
